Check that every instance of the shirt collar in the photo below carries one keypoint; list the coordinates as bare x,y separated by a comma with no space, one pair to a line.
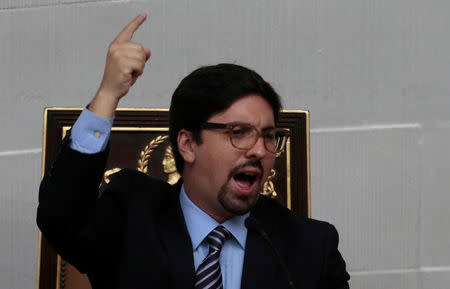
200,224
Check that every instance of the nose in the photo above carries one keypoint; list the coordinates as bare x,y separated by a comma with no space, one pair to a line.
258,150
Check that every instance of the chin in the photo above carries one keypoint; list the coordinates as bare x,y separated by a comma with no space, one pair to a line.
238,205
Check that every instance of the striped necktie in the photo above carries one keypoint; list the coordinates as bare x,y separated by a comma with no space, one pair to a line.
208,275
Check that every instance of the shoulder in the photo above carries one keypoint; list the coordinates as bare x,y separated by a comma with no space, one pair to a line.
285,221
127,177
128,185
309,241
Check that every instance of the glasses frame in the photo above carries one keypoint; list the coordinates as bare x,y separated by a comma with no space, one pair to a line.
231,125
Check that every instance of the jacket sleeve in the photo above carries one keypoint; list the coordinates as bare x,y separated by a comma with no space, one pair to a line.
79,225
335,275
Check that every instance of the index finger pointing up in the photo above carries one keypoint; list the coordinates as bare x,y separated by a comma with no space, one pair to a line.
127,33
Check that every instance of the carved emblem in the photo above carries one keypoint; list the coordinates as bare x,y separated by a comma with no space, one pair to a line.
268,188
108,173
169,168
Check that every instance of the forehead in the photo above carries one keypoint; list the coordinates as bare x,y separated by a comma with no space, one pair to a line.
252,109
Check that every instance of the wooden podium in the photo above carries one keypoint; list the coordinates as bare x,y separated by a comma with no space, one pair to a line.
139,140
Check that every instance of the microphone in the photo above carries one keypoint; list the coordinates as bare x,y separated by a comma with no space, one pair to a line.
254,225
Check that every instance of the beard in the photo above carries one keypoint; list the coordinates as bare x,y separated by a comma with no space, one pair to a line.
239,205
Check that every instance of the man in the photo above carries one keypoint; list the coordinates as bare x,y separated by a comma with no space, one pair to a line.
144,233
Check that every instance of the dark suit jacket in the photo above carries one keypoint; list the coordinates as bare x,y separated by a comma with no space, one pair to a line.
133,235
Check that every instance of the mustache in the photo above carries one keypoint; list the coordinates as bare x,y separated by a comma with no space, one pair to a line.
250,163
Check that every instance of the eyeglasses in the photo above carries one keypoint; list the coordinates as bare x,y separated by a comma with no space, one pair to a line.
244,136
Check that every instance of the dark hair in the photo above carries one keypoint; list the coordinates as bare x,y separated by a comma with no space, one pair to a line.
210,90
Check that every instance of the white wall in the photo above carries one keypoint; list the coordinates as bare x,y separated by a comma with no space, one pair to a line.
373,73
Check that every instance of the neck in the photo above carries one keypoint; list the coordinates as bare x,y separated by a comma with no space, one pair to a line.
218,213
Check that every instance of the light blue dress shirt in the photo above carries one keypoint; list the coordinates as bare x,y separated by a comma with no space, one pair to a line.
200,224
90,135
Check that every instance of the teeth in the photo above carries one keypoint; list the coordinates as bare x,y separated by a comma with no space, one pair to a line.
249,173
247,178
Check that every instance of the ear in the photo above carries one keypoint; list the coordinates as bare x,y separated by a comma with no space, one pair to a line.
185,145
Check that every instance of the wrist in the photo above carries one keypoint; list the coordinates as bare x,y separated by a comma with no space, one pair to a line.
103,104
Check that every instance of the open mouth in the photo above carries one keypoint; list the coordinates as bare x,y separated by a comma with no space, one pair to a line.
246,181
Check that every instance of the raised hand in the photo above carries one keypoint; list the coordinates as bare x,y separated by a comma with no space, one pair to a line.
125,62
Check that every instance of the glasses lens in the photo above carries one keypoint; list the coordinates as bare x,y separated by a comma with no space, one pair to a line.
275,140
243,136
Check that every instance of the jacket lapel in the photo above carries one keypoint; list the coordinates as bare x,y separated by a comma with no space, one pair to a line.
260,264
177,242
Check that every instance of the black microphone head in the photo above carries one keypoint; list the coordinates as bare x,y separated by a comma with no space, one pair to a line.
253,225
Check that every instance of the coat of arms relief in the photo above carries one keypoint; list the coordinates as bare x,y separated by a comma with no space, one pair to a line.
168,165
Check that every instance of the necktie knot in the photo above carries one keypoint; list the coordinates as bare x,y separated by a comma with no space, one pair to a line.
217,237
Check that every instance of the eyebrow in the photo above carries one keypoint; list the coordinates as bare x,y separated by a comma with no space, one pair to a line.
264,129
267,128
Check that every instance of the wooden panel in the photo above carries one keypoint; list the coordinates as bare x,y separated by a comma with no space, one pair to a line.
139,141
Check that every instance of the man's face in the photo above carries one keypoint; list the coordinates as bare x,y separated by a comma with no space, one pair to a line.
223,180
